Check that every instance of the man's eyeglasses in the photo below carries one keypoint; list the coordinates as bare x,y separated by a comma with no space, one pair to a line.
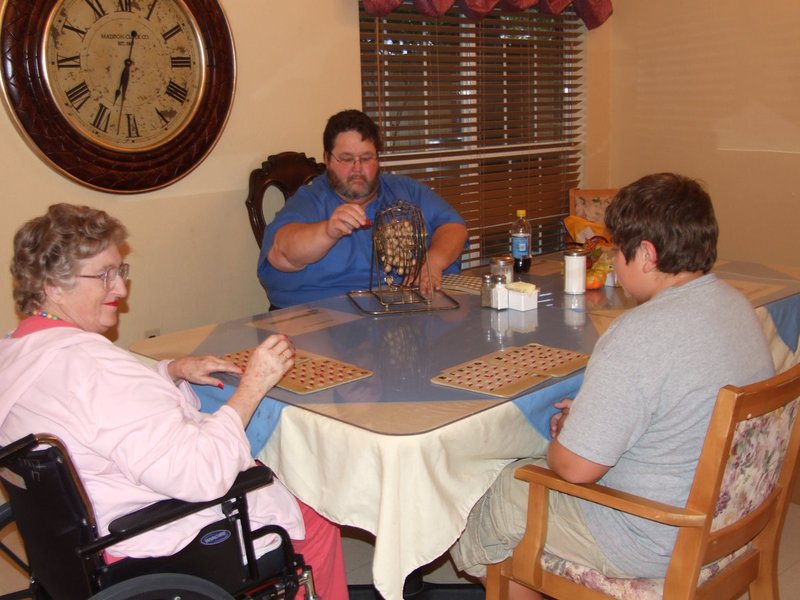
365,159
109,276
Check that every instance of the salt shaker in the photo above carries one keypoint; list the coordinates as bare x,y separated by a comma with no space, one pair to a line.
574,271
499,292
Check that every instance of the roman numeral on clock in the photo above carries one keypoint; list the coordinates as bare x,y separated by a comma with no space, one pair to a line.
78,95
69,62
177,92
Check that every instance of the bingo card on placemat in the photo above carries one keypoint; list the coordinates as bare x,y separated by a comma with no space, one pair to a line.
310,373
542,360
494,379
508,372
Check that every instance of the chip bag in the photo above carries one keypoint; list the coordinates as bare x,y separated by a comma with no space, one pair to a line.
581,230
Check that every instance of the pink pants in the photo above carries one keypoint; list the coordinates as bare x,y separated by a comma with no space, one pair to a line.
322,549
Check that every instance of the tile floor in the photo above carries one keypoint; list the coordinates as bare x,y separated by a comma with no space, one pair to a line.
358,557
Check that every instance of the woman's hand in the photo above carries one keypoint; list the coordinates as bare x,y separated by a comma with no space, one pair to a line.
267,365
557,420
269,362
198,369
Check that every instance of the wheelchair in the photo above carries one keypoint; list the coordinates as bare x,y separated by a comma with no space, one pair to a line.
65,553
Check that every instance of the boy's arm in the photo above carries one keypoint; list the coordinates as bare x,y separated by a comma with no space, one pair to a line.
572,467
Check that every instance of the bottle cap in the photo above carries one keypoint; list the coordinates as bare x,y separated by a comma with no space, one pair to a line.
521,212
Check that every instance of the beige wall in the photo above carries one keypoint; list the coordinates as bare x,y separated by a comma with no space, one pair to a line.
697,87
193,256
710,89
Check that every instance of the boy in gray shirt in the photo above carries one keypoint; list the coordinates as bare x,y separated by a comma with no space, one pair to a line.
640,418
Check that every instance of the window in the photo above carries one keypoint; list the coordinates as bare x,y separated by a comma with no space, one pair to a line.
488,113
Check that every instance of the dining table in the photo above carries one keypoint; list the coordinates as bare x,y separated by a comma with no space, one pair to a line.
401,456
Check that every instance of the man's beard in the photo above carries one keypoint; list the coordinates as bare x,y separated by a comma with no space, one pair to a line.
346,190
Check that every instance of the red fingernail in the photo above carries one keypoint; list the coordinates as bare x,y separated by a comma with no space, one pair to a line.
220,386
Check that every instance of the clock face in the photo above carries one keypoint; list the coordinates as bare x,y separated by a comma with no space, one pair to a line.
120,95
127,74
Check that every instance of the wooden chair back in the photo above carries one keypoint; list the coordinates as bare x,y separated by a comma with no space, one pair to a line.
590,204
729,531
286,171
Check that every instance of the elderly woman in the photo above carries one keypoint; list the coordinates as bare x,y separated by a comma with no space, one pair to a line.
135,433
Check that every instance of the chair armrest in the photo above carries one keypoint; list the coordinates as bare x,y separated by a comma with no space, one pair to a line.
18,446
623,501
167,511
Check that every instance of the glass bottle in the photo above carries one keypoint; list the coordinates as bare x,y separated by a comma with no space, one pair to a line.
502,265
521,242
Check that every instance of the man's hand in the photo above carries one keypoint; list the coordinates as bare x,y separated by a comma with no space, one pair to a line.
557,420
297,245
447,243
345,219
427,285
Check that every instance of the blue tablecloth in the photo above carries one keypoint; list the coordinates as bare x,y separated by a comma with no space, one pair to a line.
261,425
784,314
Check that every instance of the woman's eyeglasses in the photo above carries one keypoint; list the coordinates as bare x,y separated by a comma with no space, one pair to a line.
109,276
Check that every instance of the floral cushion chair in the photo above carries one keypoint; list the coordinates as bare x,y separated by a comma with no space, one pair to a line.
729,531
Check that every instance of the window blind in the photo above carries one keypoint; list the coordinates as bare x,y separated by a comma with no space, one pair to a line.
488,113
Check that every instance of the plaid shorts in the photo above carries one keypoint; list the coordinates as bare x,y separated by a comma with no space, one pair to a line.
496,525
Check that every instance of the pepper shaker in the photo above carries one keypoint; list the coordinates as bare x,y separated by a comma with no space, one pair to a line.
486,291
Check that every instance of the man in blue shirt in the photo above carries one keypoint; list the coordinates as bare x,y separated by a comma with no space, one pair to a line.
320,243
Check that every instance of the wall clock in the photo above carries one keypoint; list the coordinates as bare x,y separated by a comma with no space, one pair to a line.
120,95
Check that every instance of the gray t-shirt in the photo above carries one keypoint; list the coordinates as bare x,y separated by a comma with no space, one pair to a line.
646,401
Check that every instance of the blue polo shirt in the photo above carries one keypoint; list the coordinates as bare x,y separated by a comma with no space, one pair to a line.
347,265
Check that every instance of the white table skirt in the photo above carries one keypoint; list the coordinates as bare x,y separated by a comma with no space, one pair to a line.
413,492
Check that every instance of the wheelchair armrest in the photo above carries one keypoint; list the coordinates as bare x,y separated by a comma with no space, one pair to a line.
19,446
166,511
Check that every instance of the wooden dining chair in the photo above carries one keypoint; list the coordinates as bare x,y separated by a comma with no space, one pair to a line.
587,209
286,171
729,532
590,204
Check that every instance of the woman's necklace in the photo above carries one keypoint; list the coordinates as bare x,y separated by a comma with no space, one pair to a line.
41,313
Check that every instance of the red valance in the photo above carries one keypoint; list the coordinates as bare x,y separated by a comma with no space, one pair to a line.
593,12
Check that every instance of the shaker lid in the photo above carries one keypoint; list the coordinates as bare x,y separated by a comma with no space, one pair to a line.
575,252
502,260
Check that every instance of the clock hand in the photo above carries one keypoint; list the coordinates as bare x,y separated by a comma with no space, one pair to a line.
123,81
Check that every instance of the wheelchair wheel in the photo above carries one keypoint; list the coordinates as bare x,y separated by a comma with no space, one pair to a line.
163,586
